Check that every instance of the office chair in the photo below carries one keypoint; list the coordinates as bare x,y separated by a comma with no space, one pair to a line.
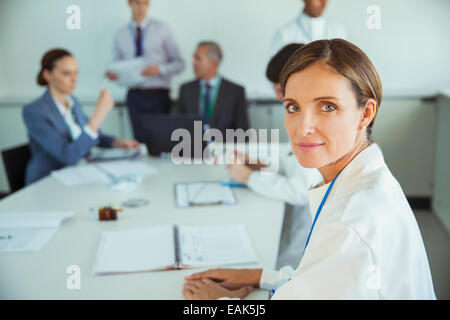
15,161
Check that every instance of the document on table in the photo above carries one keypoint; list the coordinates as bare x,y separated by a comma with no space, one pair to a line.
101,172
127,167
214,245
29,231
111,154
77,175
129,71
203,193
172,247
136,250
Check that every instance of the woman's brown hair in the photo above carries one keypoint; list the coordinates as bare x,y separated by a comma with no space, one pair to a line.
348,60
48,63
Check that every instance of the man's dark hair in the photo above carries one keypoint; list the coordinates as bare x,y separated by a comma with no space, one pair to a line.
278,61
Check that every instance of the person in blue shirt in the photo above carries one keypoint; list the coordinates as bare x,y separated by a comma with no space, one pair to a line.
59,132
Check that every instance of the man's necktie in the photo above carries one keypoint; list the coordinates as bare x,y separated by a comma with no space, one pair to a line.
138,41
208,102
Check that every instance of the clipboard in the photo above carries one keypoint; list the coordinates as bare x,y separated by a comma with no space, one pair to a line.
183,199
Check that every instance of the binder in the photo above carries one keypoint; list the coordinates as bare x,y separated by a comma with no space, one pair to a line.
172,247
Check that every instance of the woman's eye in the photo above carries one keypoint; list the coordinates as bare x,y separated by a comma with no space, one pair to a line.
291,108
328,107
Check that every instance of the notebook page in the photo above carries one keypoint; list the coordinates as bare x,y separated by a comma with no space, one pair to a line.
215,245
135,250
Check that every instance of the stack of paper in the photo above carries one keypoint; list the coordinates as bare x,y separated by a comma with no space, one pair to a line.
101,172
29,231
129,71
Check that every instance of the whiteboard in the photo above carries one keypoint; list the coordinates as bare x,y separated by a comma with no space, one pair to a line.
410,50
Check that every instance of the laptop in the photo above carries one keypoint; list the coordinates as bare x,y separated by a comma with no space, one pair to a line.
157,132
102,154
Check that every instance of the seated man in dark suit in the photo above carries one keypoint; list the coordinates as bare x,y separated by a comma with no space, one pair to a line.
221,102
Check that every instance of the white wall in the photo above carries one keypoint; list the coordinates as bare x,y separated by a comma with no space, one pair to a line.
409,50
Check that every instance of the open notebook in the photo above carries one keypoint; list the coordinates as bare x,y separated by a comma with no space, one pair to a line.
173,247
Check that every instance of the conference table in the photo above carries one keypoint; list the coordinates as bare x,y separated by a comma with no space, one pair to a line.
44,274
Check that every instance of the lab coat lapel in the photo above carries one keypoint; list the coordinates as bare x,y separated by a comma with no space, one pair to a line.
369,159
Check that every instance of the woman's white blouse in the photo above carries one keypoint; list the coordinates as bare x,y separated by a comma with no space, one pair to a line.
366,243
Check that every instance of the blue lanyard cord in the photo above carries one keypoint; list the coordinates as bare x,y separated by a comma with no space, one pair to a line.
320,209
315,219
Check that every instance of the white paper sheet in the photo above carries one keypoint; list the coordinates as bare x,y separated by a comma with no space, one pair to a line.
29,231
215,245
75,176
101,172
129,71
127,167
25,239
33,219
136,250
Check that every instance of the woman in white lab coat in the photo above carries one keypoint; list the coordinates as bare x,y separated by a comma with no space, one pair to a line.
290,184
364,241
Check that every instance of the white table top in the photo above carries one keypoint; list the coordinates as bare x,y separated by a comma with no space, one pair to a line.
42,275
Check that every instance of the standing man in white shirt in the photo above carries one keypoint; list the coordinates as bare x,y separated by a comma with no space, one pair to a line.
309,26
151,39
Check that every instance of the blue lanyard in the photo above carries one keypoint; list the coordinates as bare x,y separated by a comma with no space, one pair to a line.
315,218
320,209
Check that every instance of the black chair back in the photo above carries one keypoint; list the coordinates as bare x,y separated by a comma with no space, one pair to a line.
15,161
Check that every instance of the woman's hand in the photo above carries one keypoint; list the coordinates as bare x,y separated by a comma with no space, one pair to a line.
229,278
206,289
239,172
112,76
125,144
105,104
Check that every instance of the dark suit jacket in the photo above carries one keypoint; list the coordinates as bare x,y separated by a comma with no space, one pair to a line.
230,109
51,143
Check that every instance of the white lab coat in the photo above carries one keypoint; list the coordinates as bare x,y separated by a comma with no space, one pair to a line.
366,243
291,185
305,29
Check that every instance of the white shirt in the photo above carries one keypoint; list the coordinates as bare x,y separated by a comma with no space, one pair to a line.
305,29
69,119
159,48
366,243
291,185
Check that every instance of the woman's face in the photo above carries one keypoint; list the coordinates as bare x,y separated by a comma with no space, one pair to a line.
322,117
64,75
